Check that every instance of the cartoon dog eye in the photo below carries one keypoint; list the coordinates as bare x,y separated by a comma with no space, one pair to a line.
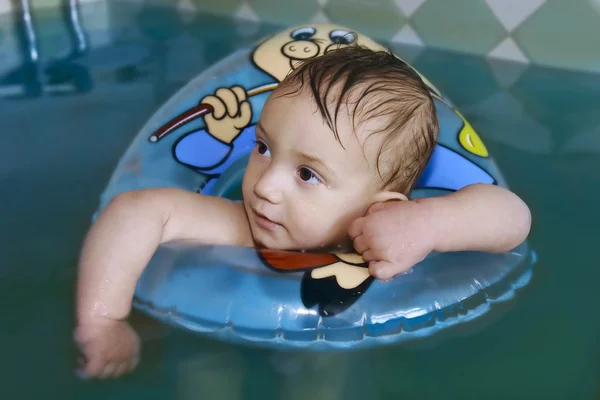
340,36
303,33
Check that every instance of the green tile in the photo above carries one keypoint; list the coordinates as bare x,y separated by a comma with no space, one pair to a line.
458,25
503,120
563,34
465,79
407,52
221,7
39,4
378,19
543,91
285,12
159,21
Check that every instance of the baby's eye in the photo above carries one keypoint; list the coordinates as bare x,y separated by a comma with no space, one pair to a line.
262,148
308,176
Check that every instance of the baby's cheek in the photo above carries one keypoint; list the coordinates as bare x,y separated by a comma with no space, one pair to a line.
319,228
311,226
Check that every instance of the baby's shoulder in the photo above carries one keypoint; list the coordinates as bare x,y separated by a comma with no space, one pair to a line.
234,219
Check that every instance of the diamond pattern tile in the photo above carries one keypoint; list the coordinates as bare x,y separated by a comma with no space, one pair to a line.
202,28
320,17
39,4
152,19
247,13
285,12
548,39
506,72
407,52
407,35
408,7
556,33
361,15
4,6
511,13
221,7
508,123
186,9
543,91
452,77
583,143
508,50
465,25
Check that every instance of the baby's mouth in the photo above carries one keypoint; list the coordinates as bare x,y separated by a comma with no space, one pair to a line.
264,222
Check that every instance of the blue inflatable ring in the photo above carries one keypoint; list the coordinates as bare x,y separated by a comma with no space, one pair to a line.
296,299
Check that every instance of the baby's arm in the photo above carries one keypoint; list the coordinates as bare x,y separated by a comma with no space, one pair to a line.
117,249
479,218
395,236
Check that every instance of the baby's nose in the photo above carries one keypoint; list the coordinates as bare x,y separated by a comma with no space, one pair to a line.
301,49
266,189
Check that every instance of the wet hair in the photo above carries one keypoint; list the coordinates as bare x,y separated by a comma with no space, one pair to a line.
387,87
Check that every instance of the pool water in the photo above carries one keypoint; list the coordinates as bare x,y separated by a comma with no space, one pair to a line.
58,150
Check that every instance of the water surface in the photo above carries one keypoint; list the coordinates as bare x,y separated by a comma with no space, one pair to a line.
58,151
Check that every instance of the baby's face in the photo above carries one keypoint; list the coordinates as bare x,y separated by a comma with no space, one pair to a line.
301,188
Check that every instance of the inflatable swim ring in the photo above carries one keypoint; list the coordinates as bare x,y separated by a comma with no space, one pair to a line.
298,299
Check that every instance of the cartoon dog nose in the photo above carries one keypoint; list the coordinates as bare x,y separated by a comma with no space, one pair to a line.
301,49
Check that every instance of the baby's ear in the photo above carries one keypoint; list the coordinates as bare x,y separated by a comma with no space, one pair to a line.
388,195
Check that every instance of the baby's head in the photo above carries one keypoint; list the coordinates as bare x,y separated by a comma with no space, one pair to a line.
343,131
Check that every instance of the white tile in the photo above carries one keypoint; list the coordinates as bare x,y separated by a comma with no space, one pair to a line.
247,13
4,6
408,7
511,13
320,17
407,35
187,10
508,50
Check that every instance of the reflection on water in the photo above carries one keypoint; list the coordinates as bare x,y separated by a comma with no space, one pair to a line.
57,153
64,73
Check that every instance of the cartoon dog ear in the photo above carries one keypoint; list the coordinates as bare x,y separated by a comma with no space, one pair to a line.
292,261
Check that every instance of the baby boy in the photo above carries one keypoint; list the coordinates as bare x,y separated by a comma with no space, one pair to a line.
343,135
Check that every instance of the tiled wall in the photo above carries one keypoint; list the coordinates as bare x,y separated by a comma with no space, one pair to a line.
560,33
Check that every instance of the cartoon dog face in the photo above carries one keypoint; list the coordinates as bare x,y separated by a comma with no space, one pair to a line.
279,54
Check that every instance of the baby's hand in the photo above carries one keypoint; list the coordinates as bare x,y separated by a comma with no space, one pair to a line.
110,348
231,113
393,237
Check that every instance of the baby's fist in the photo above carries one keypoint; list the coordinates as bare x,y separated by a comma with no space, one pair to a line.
393,237
109,348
